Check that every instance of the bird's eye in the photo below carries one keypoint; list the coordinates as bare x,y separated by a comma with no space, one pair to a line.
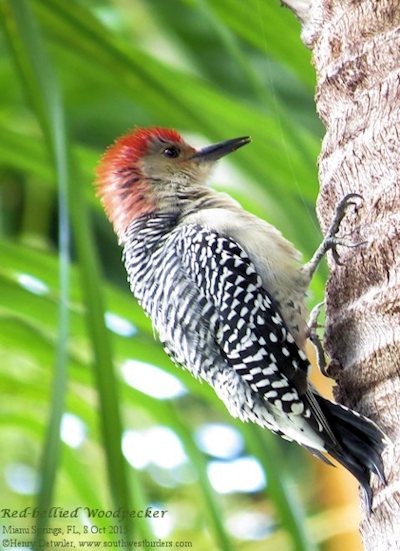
171,152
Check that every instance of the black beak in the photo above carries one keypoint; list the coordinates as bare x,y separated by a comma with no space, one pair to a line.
218,150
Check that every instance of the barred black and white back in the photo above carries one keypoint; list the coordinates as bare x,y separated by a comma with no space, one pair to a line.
214,317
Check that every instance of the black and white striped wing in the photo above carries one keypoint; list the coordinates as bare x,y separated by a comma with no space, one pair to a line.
251,333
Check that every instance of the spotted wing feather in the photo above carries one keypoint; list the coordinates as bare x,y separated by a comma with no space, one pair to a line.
251,333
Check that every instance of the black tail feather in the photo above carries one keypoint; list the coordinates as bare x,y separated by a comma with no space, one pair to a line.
361,444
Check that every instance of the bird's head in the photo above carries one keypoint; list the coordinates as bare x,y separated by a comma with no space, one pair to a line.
153,169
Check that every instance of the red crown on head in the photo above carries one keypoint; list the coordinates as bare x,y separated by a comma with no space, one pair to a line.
119,181
135,144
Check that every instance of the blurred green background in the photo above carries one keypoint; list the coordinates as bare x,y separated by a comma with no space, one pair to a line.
92,412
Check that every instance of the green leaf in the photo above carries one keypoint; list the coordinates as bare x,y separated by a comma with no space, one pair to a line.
40,86
35,71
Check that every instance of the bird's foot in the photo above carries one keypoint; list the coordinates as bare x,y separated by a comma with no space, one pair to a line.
331,241
315,339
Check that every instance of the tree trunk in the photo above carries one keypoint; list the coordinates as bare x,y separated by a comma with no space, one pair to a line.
356,53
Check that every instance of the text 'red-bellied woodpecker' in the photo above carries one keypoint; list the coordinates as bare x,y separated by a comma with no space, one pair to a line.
225,293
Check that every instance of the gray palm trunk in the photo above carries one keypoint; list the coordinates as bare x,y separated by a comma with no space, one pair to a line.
356,54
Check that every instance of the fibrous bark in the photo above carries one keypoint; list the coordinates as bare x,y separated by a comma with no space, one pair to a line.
356,53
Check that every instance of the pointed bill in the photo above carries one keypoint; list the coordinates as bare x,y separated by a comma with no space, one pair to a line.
214,152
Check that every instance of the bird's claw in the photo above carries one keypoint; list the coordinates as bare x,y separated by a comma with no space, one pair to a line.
320,354
314,338
331,241
341,209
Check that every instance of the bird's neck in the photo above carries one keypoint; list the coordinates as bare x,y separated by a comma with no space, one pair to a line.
169,208
172,210
149,229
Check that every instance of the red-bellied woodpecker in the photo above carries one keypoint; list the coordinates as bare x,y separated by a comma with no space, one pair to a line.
225,292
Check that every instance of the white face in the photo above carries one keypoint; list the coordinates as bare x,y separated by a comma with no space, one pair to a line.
172,163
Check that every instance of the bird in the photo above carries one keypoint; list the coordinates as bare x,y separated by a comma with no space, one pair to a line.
225,292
